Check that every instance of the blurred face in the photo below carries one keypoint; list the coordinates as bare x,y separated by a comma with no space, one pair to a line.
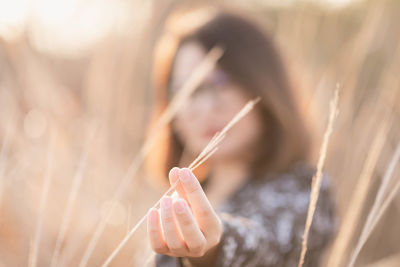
210,108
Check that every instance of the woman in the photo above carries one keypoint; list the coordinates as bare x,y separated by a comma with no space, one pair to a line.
247,206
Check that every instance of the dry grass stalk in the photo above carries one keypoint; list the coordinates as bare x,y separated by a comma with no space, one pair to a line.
385,205
129,219
389,261
67,216
377,207
42,206
353,212
204,159
205,154
205,67
317,179
3,161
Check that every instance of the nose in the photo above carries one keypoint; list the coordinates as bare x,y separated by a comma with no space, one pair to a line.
207,102
213,103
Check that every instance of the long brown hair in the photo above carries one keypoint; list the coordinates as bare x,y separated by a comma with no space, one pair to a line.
252,61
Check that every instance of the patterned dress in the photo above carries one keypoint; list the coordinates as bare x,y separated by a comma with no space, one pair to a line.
264,222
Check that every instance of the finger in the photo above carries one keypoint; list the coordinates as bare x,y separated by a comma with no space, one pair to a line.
173,177
155,233
198,200
172,236
191,232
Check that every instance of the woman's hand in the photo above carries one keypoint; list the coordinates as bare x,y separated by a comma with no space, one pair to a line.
189,226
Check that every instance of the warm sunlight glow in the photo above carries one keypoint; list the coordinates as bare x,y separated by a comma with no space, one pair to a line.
72,27
64,27
12,17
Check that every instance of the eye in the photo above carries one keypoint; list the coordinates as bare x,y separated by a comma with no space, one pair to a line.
202,88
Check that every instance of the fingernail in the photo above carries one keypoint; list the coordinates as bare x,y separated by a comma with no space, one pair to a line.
179,207
171,172
166,202
185,175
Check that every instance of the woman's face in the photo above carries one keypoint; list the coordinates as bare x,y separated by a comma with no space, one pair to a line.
210,108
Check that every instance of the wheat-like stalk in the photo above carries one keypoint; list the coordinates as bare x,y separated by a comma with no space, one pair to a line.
354,210
317,179
72,198
384,206
3,161
201,71
204,155
33,255
378,207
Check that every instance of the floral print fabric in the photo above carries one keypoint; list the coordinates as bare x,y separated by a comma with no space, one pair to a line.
264,222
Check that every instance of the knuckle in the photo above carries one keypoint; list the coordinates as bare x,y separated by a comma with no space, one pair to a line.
199,253
168,219
153,232
186,223
216,226
220,226
193,187
219,237
198,249
160,249
185,220
177,249
214,241
204,212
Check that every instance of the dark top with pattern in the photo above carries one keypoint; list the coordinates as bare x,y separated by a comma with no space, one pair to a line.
264,222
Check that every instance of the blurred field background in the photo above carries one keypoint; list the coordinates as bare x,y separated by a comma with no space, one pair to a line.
75,100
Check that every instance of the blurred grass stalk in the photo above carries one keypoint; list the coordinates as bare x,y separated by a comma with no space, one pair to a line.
379,206
205,67
317,179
